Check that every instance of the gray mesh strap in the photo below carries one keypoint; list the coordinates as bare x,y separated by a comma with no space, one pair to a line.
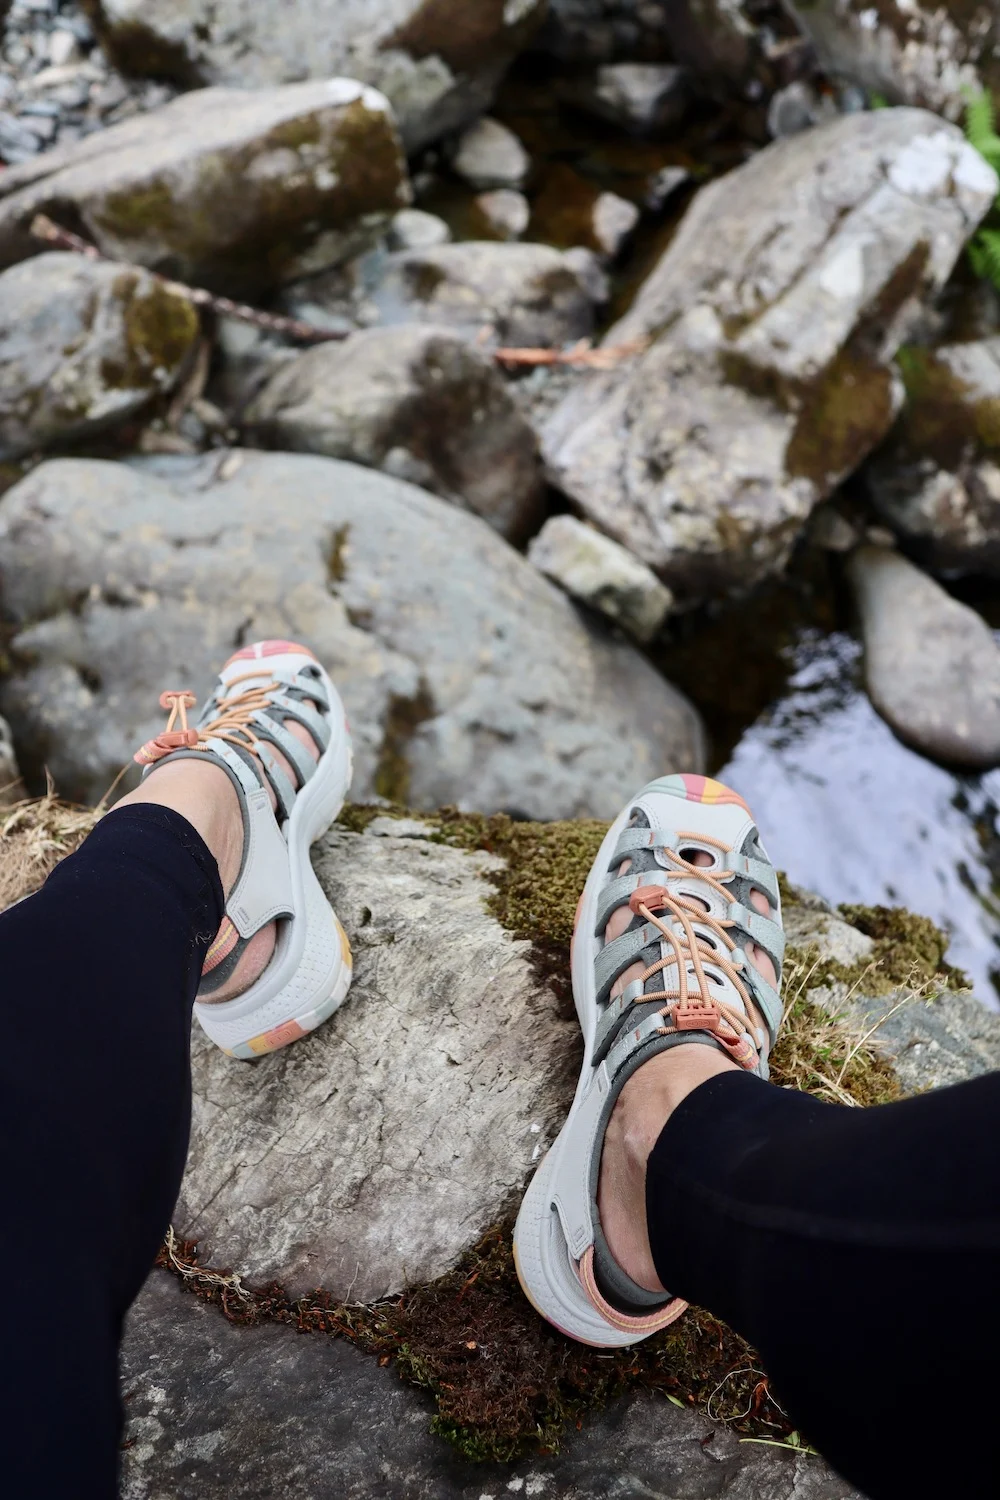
280,784
610,1023
244,769
303,682
272,729
306,715
765,933
757,871
616,956
631,839
765,997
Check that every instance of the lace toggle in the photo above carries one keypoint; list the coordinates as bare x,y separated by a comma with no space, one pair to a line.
184,738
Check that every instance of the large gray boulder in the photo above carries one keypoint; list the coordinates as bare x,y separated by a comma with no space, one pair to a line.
439,61
465,1090
773,318
83,345
236,189
418,402
520,294
936,482
908,51
932,665
468,677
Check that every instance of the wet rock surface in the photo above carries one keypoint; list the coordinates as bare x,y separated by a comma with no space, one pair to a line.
521,294
489,155
773,316
121,578
642,98
932,666
937,481
338,1425
417,402
84,345
234,189
439,63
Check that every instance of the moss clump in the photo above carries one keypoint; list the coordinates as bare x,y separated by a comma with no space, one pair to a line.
503,1381
908,948
848,413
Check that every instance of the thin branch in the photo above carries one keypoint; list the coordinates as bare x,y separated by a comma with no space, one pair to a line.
51,233
582,355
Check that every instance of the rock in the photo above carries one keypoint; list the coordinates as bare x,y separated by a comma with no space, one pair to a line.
830,529
614,220
285,1414
587,268
467,676
83,345
774,315
439,61
937,480
508,213
642,98
413,229
525,294
418,402
932,666
904,50
600,573
488,155
797,107
481,1059
235,189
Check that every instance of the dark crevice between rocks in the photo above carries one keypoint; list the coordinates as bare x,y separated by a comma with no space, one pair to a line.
503,1381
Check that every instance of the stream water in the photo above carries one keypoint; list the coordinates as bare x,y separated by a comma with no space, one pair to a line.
850,812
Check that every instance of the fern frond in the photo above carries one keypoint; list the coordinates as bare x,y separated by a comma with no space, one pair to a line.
984,255
980,126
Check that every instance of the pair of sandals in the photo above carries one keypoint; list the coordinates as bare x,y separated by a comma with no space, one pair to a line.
684,857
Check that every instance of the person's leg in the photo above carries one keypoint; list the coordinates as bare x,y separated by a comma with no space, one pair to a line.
856,1249
98,975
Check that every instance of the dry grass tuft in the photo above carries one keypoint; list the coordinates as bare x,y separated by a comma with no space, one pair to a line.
34,836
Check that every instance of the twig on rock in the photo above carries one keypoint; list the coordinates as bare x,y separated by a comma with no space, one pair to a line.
43,228
581,356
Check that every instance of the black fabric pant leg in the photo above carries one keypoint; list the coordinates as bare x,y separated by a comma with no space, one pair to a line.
858,1250
98,974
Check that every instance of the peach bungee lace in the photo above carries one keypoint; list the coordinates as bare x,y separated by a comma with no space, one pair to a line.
696,1009
231,725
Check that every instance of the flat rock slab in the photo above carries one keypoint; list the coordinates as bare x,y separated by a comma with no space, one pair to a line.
221,1413
932,666
773,317
373,1153
468,677
228,188
438,62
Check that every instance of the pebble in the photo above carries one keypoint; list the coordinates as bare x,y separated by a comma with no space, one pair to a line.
413,229
507,212
613,221
55,82
488,155
602,574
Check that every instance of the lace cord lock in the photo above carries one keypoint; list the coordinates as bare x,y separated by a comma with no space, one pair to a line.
696,1014
652,897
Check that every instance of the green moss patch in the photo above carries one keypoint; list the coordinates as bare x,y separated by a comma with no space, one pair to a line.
502,1380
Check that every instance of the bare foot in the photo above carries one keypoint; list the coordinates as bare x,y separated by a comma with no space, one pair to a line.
646,1102
203,793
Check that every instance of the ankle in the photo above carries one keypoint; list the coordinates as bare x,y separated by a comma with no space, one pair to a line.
203,794
644,1106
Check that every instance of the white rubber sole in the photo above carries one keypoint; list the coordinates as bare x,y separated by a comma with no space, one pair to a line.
310,973
545,1266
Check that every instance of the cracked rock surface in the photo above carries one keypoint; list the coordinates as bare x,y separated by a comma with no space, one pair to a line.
376,1151
468,677
774,316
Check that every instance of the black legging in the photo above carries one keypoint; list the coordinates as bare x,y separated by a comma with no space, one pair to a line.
855,1249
